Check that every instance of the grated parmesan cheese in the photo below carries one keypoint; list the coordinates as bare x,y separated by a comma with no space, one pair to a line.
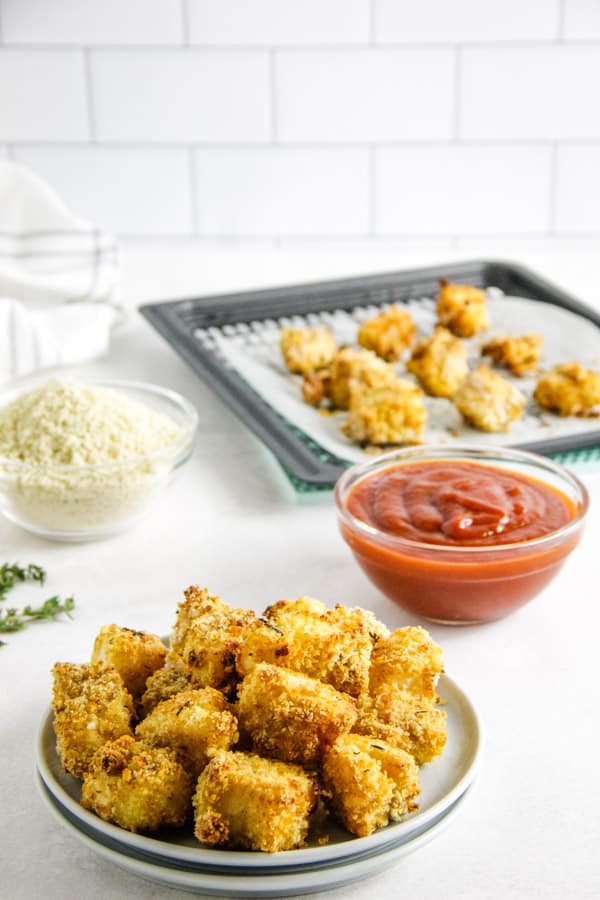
68,424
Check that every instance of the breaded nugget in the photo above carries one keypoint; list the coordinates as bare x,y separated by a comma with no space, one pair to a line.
290,716
392,414
195,723
410,660
206,637
91,706
315,387
389,334
489,402
518,354
162,684
332,645
134,654
462,308
307,349
351,369
569,390
242,800
138,787
371,783
414,724
440,363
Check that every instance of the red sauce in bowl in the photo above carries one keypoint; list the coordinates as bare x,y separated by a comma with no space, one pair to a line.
458,541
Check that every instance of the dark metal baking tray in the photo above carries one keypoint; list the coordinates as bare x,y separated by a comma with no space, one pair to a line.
308,465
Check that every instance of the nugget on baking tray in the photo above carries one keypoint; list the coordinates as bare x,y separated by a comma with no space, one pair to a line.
206,637
134,654
351,369
243,800
307,349
138,787
440,363
489,402
194,723
569,390
462,308
332,645
370,782
290,716
391,414
408,659
388,334
414,724
91,705
520,355
162,684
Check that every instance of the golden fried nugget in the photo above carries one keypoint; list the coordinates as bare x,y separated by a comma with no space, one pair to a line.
440,363
414,724
462,308
388,334
410,660
332,645
242,800
315,387
138,787
371,783
195,723
518,354
392,414
134,654
489,402
307,349
91,706
352,369
290,716
162,684
206,637
569,390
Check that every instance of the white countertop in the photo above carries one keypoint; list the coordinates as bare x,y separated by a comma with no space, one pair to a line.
532,828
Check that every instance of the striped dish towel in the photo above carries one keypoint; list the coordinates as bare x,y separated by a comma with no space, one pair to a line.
59,279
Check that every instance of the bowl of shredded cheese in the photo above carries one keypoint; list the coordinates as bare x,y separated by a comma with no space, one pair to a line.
84,459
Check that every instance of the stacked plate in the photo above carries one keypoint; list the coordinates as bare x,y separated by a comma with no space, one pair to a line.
177,860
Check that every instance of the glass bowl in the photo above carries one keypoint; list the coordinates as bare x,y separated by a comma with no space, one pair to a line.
89,502
453,583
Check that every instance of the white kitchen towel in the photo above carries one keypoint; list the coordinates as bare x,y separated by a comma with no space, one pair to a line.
59,279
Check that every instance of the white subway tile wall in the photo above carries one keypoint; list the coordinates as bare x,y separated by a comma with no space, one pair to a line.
340,123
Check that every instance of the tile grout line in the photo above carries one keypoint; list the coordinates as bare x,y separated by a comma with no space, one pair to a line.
89,94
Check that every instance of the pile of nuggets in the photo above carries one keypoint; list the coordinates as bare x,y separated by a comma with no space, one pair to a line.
386,409
260,727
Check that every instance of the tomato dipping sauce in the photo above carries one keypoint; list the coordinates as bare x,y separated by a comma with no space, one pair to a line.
455,539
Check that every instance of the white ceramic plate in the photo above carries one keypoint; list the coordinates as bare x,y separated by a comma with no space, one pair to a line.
442,782
236,882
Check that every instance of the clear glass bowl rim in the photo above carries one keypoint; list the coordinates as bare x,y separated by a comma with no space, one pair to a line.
171,450
462,452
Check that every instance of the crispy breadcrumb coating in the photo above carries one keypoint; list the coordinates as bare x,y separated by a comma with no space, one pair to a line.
91,706
462,308
316,386
162,684
351,369
440,363
134,654
332,645
414,724
370,782
391,414
138,787
518,354
206,637
410,660
290,716
195,723
489,402
307,349
569,390
388,334
242,800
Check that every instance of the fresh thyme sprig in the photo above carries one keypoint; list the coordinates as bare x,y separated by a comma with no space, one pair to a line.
13,619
